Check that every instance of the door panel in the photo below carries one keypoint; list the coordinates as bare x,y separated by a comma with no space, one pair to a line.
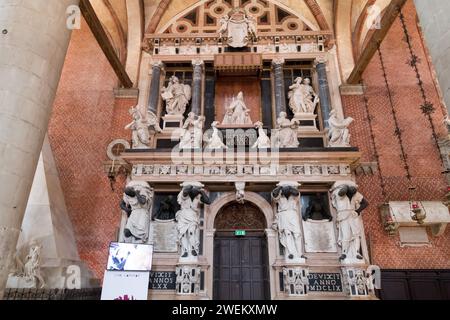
246,259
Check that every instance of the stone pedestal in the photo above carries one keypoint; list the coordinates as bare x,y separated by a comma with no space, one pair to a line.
188,279
172,122
307,121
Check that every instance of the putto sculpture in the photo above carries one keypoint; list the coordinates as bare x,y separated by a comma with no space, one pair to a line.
176,96
349,204
190,199
136,203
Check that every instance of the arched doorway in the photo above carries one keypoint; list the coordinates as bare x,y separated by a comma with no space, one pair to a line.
241,264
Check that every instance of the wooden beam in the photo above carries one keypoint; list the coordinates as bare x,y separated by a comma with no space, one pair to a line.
391,13
156,19
97,29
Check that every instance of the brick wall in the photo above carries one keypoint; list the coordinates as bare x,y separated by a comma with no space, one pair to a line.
86,118
422,154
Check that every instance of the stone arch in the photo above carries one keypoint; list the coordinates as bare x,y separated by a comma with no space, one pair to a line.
229,197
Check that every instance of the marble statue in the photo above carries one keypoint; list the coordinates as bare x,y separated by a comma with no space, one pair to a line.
30,270
263,141
237,112
349,204
223,25
141,126
190,198
287,220
240,192
239,27
137,201
339,135
166,210
192,132
176,96
215,142
287,132
302,98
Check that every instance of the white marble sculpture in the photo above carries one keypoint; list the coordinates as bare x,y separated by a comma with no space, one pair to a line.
339,135
188,280
215,142
239,27
263,141
176,96
349,204
287,132
141,127
28,274
287,220
136,203
237,112
240,192
192,132
190,198
302,98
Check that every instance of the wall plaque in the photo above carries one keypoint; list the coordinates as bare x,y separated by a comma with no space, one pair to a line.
162,280
163,235
325,282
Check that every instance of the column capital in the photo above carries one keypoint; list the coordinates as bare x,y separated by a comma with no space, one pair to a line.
278,61
158,64
320,60
198,63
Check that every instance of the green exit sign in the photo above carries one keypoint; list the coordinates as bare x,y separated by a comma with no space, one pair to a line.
240,233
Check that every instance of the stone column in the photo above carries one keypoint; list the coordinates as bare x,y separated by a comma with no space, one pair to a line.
155,86
196,104
32,57
280,94
324,90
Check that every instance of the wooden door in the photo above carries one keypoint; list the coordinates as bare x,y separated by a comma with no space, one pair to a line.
241,270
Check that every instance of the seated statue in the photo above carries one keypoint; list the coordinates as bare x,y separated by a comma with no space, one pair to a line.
237,112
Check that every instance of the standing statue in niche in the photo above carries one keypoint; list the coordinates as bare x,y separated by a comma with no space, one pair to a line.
349,204
287,132
30,270
141,126
176,96
287,220
190,198
136,202
302,98
339,135
192,133
166,210
215,142
237,112
316,210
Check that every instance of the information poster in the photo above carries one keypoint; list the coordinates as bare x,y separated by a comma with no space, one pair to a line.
119,285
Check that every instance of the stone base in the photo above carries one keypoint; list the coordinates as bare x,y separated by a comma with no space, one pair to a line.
236,126
311,120
172,122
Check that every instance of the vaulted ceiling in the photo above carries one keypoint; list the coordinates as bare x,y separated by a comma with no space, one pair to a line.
126,21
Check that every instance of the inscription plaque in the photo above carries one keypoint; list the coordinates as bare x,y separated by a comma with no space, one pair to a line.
162,280
163,235
325,282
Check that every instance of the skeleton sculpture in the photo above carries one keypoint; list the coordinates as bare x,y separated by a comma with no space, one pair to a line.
190,198
349,204
136,202
31,269
287,220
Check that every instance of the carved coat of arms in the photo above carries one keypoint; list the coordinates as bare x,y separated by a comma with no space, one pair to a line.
239,27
